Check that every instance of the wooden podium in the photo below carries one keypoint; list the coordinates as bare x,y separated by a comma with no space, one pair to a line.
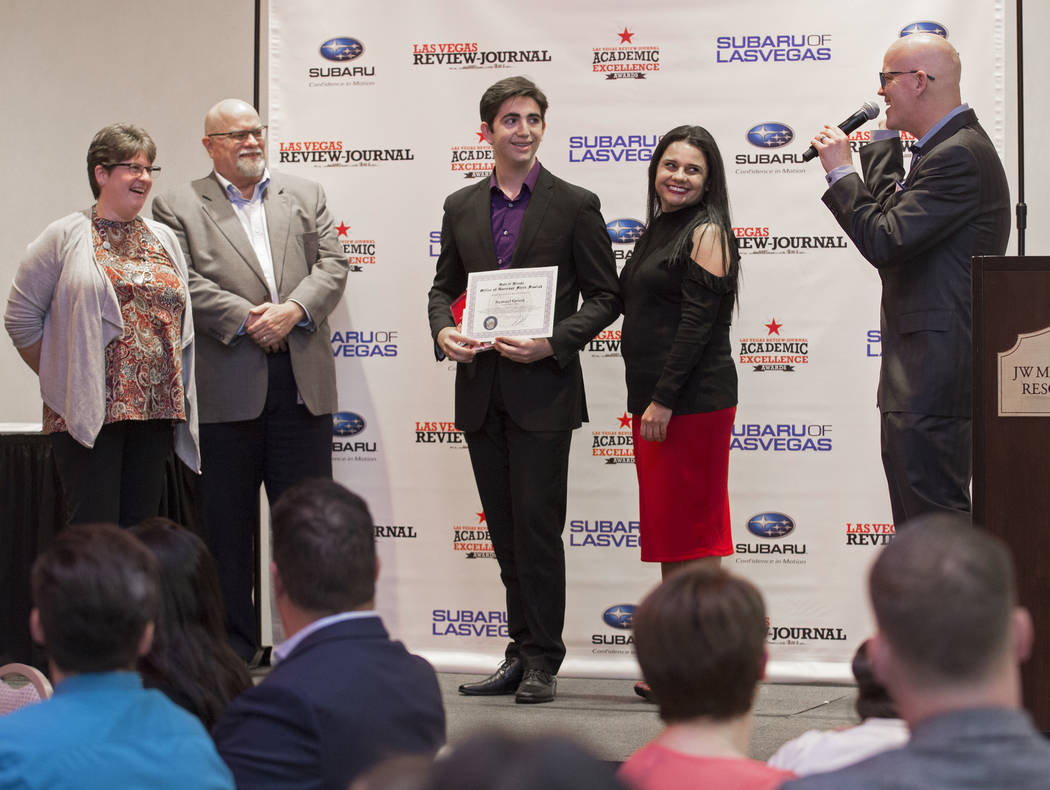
1011,432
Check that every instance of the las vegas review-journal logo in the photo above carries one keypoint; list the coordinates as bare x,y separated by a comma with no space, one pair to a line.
469,622
440,432
456,55
870,533
339,52
359,343
347,445
472,161
605,344
799,47
802,635
796,437
603,533
627,59
774,352
612,147
394,531
924,27
863,137
760,240
771,528
335,153
471,540
618,618
614,446
359,252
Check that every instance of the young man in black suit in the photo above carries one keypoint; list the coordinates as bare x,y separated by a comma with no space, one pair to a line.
519,402
920,231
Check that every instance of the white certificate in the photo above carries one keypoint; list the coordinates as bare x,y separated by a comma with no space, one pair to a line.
510,303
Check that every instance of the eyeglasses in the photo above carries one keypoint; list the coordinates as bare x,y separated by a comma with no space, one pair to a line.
135,169
242,135
885,76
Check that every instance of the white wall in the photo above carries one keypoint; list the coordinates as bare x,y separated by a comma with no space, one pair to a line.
67,69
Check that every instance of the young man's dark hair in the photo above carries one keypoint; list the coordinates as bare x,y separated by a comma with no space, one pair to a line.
96,591
493,98
700,638
324,547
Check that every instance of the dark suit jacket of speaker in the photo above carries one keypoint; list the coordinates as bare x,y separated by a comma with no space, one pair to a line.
954,204
562,227
346,698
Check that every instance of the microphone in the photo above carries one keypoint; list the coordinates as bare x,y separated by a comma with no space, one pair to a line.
866,113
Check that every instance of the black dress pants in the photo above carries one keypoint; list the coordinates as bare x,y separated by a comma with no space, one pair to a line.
282,446
928,464
121,479
522,478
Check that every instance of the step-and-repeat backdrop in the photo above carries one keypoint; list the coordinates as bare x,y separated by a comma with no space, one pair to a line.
379,103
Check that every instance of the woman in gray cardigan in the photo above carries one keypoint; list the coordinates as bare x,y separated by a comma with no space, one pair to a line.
100,311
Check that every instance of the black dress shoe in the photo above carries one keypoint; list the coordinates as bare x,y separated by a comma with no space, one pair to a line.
504,680
536,686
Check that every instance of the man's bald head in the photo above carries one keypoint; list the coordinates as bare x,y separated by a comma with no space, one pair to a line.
221,115
923,82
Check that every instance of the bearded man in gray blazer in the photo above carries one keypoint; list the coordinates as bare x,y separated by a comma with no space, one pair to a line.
265,270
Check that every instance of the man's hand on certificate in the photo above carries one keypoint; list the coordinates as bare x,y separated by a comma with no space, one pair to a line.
457,346
524,349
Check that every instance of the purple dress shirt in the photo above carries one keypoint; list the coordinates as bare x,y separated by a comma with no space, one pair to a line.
507,215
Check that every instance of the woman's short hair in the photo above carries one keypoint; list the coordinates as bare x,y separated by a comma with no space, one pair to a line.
873,698
115,143
700,639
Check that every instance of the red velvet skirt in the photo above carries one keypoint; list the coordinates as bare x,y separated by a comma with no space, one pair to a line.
683,488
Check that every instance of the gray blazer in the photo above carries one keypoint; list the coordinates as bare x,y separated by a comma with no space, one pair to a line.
63,299
226,281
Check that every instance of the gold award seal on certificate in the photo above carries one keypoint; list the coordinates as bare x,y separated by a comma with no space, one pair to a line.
510,303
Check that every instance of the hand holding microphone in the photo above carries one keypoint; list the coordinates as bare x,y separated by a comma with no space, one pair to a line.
832,138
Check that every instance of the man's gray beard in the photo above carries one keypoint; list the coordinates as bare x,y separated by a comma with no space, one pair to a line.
251,168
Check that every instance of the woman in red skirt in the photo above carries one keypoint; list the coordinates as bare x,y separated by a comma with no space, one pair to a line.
678,290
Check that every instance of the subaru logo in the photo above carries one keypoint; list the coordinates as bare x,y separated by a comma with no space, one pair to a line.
925,27
770,525
346,423
624,231
342,48
619,616
770,134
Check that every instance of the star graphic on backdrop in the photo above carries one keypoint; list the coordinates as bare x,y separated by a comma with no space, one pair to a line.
481,136
625,232
342,228
481,517
625,421
625,36
773,327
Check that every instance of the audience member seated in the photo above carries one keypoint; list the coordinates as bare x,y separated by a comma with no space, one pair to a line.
949,644
700,638
191,660
95,602
342,695
505,762
880,729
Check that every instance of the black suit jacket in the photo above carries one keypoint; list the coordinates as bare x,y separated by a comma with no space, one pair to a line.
346,698
955,204
562,227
